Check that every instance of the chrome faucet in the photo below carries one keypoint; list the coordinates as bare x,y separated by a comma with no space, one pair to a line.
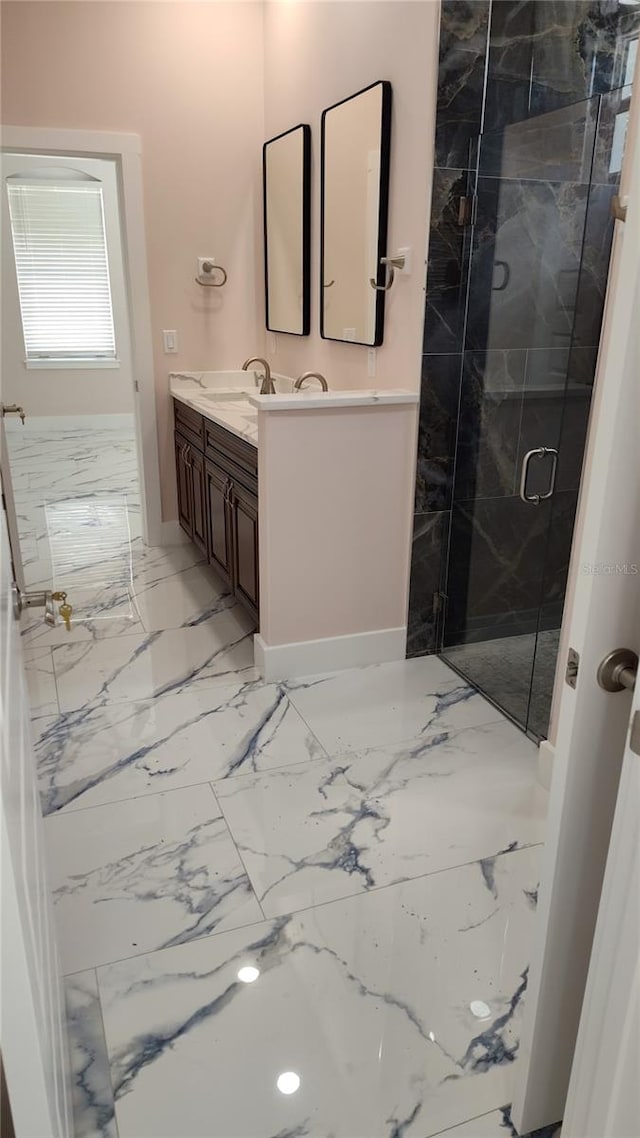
267,387
311,375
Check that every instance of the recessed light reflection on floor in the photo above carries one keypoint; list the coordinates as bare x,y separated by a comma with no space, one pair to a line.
248,974
288,1082
480,1009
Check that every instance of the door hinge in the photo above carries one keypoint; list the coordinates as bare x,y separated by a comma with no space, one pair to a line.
468,210
573,665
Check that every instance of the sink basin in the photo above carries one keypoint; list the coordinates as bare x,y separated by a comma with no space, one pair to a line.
226,396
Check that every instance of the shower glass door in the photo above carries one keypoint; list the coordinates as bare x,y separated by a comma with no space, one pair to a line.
538,270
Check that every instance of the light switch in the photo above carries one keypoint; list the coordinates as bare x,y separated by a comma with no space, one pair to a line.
170,340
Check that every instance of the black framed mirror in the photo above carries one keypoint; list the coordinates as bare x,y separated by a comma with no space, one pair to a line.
356,140
286,181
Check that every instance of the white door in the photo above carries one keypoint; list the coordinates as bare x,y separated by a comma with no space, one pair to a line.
604,1092
32,1037
603,614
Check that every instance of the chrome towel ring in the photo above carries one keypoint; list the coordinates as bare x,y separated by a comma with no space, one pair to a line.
206,280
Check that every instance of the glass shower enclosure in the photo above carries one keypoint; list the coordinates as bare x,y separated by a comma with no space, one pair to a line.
540,245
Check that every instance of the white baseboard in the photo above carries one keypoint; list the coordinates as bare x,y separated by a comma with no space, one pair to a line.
308,657
546,756
171,533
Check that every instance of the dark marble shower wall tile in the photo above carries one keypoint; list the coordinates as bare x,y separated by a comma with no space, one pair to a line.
525,265
612,25
496,563
594,267
464,28
542,413
429,533
509,67
557,554
439,396
553,147
573,437
447,265
579,50
490,408
582,365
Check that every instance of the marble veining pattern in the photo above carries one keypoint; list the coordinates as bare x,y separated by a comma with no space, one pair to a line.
144,874
329,829
387,703
105,754
155,664
361,998
91,1092
179,790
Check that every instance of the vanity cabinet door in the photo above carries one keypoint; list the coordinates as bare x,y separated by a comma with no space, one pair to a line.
218,511
244,510
183,478
198,499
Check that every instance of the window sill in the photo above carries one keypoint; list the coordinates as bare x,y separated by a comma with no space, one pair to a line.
59,364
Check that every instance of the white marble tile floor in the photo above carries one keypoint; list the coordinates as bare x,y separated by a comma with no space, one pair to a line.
297,910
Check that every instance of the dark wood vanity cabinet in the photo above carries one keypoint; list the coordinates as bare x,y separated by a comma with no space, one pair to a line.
219,517
191,491
244,528
217,476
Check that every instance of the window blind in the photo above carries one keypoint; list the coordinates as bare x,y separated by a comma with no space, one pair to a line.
63,270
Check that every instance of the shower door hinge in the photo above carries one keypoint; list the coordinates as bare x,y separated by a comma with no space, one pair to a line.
573,664
468,210
438,602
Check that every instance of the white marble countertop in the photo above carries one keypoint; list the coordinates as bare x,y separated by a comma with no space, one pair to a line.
232,398
221,397
316,399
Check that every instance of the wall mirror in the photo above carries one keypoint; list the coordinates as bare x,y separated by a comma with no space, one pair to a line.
355,190
286,169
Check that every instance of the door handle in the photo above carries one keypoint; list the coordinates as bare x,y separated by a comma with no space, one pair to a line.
13,409
538,452
618,670
506,270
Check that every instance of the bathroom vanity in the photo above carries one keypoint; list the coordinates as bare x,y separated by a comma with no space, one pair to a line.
217,480
301,501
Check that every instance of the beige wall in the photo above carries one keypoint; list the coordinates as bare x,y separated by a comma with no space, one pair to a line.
317,54
195,81
335,561
188,78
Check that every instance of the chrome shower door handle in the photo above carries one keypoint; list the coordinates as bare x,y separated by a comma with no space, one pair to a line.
533,499
554,467
538,452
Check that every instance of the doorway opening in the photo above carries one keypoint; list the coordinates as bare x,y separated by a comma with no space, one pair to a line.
68,411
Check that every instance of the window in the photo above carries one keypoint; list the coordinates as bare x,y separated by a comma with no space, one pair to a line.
63,271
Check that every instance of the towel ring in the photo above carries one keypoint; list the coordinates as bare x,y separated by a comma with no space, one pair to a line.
208,268
391,264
